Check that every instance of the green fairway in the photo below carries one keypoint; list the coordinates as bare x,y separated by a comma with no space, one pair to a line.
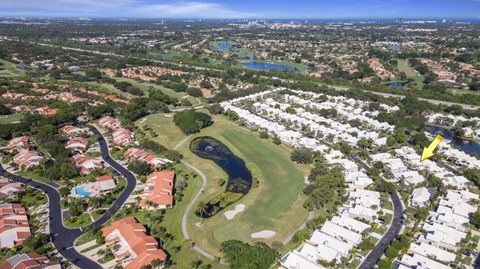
8,69
404,66
12,118
167,133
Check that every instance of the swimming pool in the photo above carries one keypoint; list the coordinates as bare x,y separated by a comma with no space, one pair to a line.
80,191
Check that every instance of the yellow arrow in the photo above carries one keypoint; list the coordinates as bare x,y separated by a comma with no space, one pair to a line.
428,152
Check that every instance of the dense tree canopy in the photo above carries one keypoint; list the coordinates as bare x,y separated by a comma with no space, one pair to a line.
191,121
240,255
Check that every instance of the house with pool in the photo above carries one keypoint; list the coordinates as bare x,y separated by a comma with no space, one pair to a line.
101,185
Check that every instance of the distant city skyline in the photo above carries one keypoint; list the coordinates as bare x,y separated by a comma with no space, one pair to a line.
264,9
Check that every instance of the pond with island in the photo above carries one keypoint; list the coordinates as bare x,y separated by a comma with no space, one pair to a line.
239,176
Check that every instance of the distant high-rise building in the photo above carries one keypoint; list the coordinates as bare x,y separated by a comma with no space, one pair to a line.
399,20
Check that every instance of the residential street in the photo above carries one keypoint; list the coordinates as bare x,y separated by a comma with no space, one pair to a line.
63,238
376,254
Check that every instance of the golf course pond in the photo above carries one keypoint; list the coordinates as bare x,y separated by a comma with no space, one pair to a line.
239,176
268,66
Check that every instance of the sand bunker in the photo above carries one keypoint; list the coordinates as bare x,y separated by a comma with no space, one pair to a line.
230,214
263,234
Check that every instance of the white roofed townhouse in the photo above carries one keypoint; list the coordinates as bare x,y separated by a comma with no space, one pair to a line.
294,260
421,262
432,252
362,212
411,177
321,238
350,223
441,235
337,231
420,197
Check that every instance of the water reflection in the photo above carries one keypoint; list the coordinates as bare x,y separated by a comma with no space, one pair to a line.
239,177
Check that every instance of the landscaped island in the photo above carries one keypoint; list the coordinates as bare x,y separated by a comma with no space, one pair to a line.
239,177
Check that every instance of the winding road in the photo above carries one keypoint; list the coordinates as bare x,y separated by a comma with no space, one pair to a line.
64,238
192,203
395,227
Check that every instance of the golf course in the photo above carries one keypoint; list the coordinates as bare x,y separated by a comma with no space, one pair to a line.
272,208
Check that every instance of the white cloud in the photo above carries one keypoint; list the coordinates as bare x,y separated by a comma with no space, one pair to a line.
190,9
121,8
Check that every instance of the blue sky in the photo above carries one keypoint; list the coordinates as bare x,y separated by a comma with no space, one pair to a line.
243,8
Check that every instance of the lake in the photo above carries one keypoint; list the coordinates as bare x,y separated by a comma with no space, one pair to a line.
239,176
394,47
22,67
268,66
470,147
397,85
224,46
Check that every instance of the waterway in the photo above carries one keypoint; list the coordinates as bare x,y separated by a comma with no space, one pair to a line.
268,66
470,147
239,176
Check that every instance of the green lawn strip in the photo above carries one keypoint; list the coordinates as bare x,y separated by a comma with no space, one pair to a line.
106,258
90,248
98,213
85,238
12,118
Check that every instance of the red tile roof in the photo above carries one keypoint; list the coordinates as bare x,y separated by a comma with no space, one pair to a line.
142,248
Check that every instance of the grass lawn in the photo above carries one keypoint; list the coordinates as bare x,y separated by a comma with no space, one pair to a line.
8,69
110,89
145,86
275,205
168,134
98,213
12,118
84,238
79,221
404,66
34,176
33,198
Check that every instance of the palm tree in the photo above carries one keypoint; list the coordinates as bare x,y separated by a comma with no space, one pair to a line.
156,263
196,263
201,207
